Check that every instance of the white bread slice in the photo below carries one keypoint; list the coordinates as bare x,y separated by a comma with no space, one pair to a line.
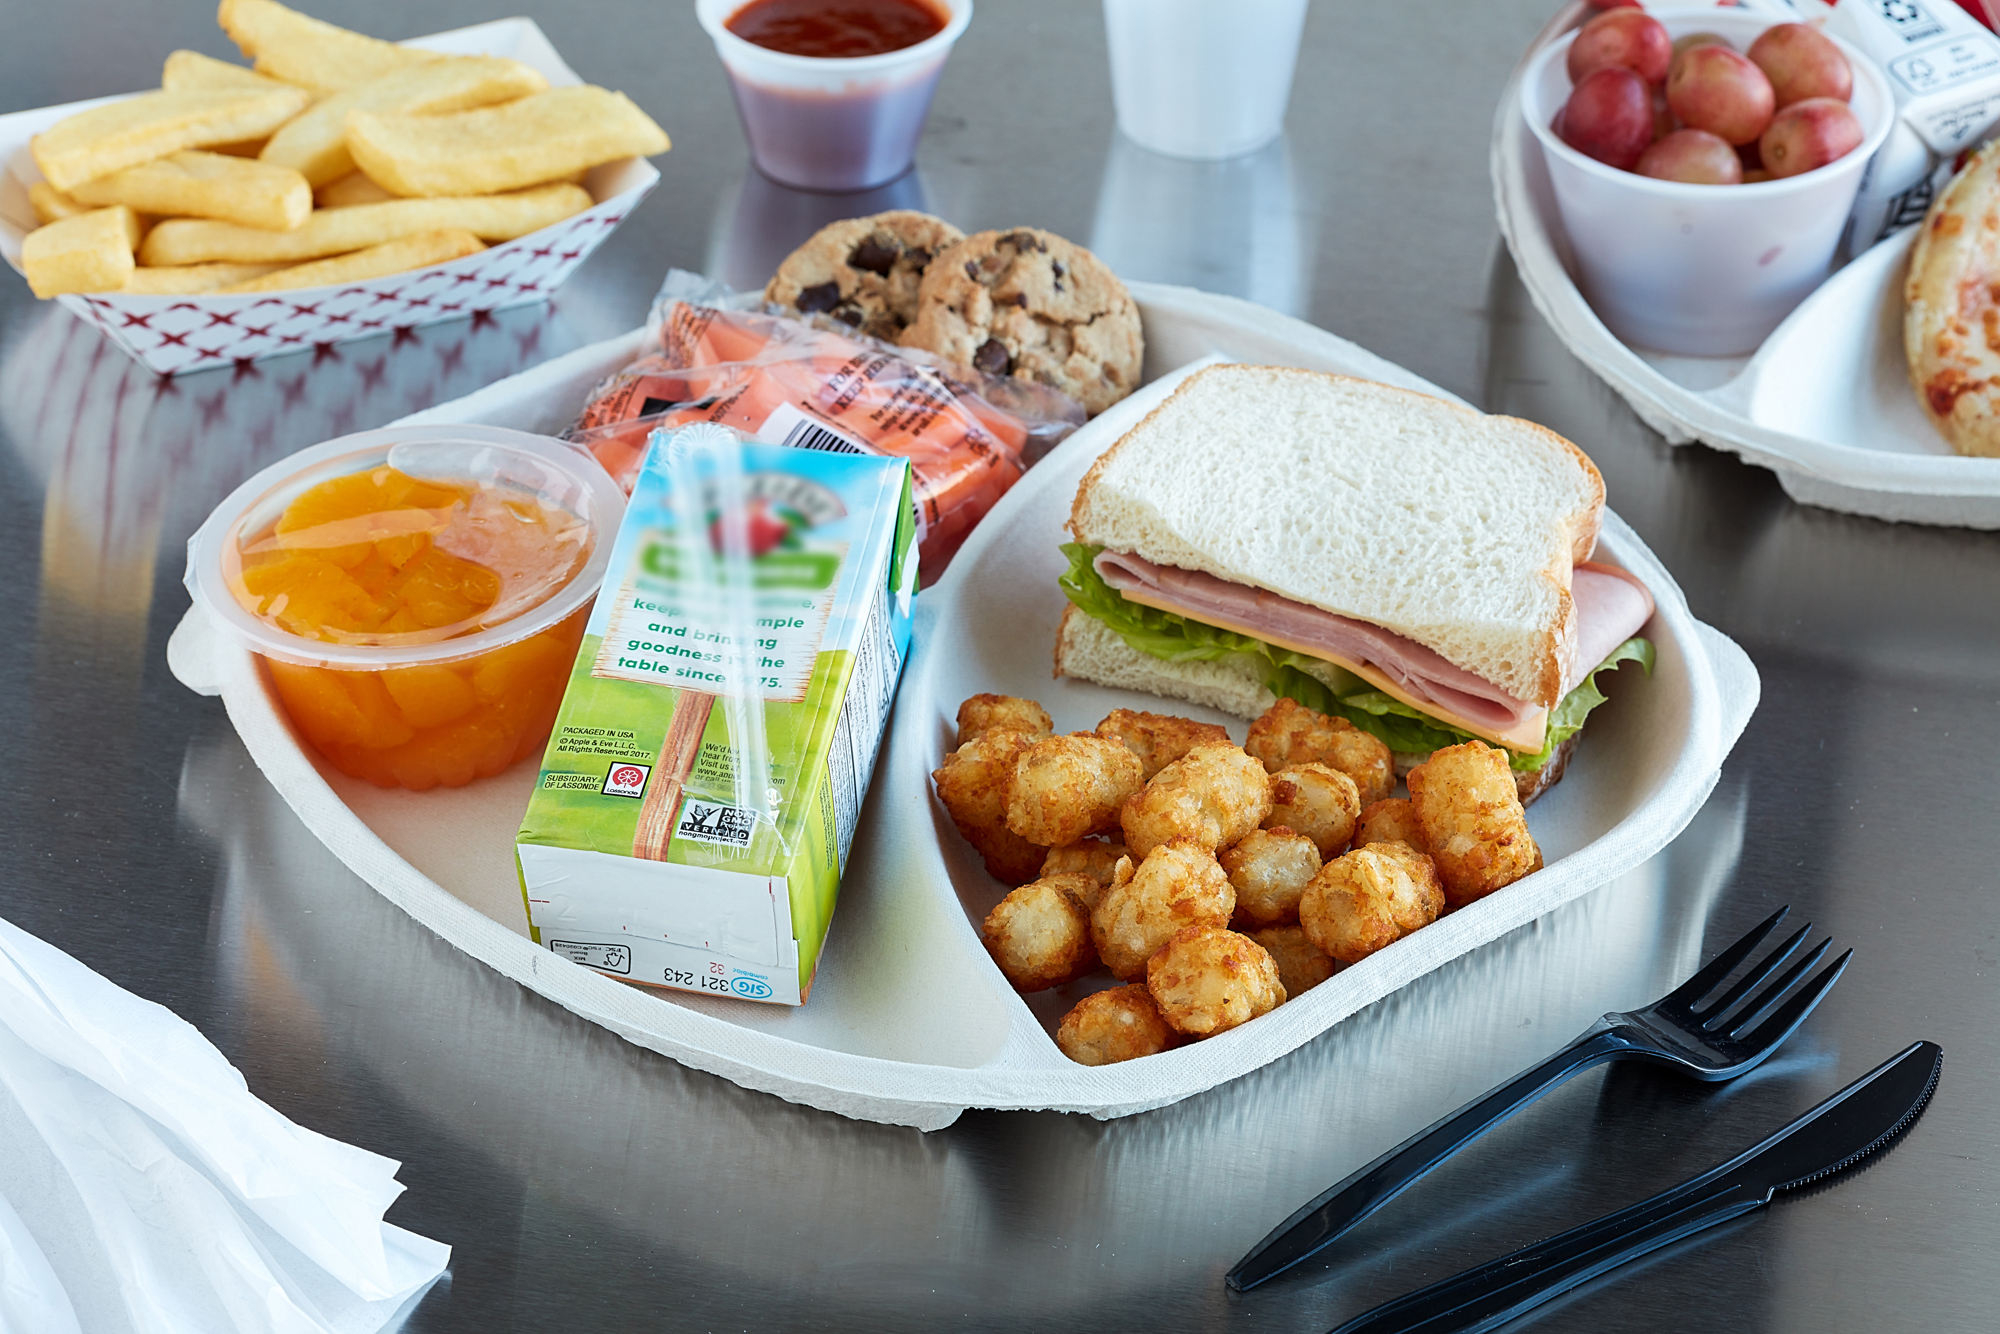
1454,528
1090,650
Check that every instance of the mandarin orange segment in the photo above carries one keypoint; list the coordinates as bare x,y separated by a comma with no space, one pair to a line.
386,725
526,666
317,704
429,696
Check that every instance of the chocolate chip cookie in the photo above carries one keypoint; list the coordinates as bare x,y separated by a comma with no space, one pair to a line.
1029,304
863,271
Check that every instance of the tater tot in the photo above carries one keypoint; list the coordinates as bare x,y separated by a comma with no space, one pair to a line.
1002,713
972,784
1372,897
1096,858
1179,884
1116,1025
1067,788
1471,815
1290,733
1316,800
1269,869
1040,934
1391,821
1302,965
1207,980
1159,739
1213,795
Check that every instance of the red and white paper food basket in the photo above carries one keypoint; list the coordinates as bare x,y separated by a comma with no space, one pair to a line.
173,334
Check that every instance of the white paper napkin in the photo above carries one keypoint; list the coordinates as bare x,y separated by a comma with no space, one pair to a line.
144,1188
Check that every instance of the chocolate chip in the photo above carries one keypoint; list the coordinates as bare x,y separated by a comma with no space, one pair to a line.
848,315
1021,241
1056,266
993,358
873,256
971,270
920,258
817,300
1021,299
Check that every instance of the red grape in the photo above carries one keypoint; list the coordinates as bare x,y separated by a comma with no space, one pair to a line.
1609,116
1664,123
1629,37
1809,134
1800,63
1713,88
1695,157
1694,39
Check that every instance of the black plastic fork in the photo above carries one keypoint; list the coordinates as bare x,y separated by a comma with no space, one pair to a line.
1712,1041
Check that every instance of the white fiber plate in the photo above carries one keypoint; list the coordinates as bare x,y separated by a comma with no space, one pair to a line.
1825,402
909,1022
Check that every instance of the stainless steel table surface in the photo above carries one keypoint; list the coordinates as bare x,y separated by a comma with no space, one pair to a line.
583,1182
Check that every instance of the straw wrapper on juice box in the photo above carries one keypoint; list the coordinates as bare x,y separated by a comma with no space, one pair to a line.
700,791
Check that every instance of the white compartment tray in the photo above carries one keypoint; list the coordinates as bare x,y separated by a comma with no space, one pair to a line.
909,1022
1825,402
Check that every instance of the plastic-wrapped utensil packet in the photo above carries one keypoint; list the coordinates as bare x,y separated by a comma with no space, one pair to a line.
158,1192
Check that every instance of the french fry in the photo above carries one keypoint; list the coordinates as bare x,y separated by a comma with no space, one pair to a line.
91,252
191,279
506,147
353,188
192,69
336,231
124,134
287,45
207,185
52,205
315,143
398,256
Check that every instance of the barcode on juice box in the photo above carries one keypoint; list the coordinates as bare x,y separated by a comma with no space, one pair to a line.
871,687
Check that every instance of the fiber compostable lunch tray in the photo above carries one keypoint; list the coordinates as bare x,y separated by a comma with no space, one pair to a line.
909,1022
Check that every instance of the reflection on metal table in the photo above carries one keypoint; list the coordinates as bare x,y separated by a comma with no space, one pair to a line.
578,1176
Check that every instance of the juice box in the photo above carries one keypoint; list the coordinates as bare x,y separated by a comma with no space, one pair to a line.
698,796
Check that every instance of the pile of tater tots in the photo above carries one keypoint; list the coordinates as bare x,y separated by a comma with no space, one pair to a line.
1216,880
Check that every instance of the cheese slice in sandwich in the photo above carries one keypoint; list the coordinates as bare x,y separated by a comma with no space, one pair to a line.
1416,567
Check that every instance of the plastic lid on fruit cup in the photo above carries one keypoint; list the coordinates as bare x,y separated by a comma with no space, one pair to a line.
527,518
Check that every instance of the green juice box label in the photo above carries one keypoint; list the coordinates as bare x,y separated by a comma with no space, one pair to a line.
699,793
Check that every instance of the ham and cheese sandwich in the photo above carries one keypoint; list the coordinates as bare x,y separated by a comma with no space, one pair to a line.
1415,567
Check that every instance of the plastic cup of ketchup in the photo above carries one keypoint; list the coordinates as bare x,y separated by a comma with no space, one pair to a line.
833,93
417,594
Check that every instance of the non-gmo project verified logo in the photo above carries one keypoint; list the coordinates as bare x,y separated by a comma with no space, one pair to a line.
626,780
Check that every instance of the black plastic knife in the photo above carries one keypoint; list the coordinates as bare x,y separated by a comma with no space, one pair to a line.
1838,1133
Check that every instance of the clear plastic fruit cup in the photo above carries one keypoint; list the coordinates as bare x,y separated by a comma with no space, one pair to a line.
832,124
1700,270
417,594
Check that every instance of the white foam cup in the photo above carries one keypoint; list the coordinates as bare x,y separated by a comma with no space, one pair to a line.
1701,270
1202,78
829,124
